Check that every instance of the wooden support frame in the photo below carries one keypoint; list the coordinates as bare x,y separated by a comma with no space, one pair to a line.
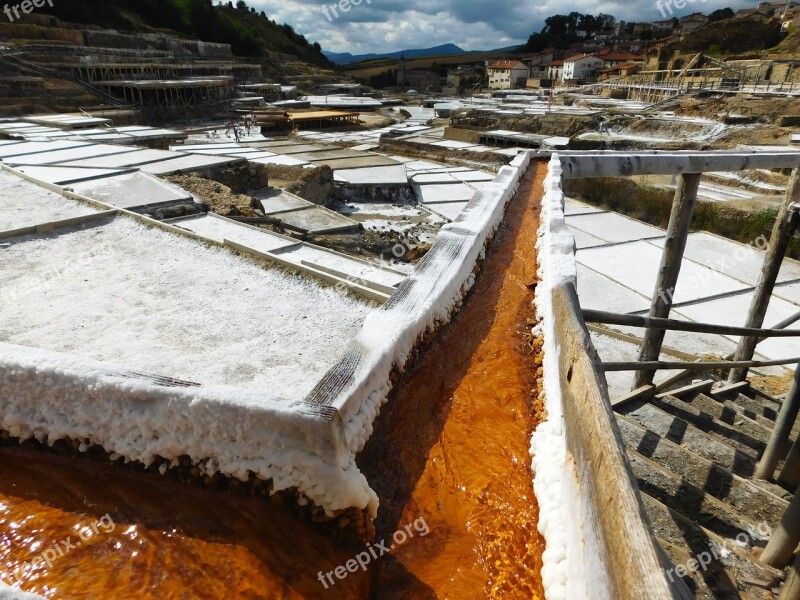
608,318
674,245
779,242
658,365
789,476
791,588
780,433
782,544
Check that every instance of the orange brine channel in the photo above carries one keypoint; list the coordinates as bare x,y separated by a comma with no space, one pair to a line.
451,448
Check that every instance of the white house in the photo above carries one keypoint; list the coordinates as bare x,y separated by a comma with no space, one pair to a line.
581,66
555,70
619,57
507,74
692,22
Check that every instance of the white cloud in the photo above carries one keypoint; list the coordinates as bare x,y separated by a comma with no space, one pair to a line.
391,25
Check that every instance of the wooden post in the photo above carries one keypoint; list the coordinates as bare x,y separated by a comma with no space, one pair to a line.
780,433
679,222
790,473
778,243
782,544
791,588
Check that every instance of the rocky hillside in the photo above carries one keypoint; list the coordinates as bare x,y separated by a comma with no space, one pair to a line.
249,32
789,46
730,37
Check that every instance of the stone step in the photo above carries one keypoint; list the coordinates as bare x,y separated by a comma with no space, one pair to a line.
706,441
726,414
725,391
714,567
743,494
774,489
764,415
732,406
757,406
680,495
749,439
756,391
679,555
685,435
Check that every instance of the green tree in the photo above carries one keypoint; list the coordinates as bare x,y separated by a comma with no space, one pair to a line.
608,21
721,14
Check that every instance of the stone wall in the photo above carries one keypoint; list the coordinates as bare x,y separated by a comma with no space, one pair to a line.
241,178
462,135
109,39
314,185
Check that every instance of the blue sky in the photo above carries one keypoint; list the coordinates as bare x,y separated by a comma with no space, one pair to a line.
390,25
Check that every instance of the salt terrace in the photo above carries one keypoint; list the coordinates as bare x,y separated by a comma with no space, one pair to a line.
88,303
82,272
258,354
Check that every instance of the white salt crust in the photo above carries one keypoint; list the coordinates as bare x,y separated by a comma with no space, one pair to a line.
555,478
388,336
52,395
10,593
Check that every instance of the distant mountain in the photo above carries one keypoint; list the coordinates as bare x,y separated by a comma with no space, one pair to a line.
346,58
507,48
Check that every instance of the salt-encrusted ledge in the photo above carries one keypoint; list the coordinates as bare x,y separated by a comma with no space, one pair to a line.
307,447
50,396
359,385
9,593
599,543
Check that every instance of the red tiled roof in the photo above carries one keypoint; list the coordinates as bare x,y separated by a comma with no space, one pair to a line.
503,64
622,56
625,67
579,56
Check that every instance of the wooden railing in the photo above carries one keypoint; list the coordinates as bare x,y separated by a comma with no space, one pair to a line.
590,428
690,166
611,549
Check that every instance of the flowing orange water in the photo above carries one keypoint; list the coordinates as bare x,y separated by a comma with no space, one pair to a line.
450,450
452,446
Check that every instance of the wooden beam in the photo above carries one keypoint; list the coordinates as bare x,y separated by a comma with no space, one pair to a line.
789,476
693,389
668,383
674,245
657,365
637,341
642,393
785,226
600,316
623,164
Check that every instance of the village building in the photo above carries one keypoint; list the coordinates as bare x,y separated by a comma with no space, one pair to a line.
507,74
581,66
